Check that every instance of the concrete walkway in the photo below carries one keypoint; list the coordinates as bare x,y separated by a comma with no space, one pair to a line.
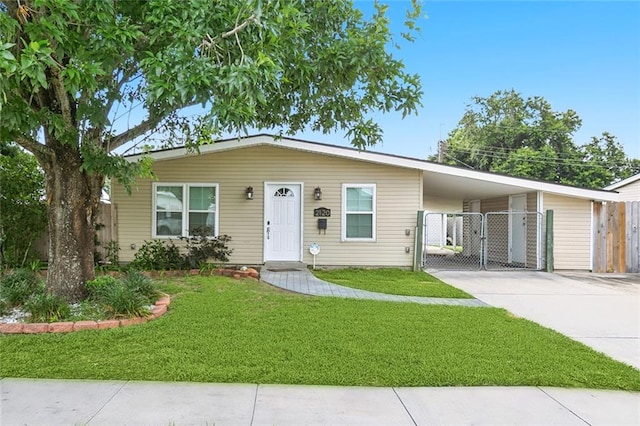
80,402
295,277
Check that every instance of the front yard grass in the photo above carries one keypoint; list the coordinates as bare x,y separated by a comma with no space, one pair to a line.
224,330
391,281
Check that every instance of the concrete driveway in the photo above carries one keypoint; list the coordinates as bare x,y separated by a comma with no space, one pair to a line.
600,311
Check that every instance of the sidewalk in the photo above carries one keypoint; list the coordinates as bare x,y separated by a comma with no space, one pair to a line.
79,402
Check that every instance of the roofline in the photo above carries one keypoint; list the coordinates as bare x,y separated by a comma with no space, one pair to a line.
264,139
623,182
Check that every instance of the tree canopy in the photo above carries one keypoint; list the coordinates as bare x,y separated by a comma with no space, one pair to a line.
84,77
506,133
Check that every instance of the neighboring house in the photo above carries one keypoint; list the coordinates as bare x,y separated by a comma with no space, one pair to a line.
360,207
629,189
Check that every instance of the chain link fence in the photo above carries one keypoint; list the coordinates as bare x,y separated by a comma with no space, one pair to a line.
473,241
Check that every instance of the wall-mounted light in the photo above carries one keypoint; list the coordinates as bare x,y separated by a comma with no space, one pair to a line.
317,193
249,192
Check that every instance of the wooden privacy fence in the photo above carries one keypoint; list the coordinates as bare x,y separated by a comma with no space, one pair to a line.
105,233
616,237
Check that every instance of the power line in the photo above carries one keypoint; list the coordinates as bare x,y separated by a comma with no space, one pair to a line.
554,161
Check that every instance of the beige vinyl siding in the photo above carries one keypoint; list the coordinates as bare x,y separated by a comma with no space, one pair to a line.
441,205
398,198
630,192
571,231
500,204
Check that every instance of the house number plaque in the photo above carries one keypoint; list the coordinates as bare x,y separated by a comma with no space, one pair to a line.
322,212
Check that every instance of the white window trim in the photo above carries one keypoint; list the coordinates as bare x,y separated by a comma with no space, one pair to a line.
185,207
344,212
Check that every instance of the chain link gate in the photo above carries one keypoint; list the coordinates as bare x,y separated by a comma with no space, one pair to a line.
452,241
513,240
473,241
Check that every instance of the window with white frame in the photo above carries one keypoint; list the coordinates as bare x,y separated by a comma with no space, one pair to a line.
358,212
179,209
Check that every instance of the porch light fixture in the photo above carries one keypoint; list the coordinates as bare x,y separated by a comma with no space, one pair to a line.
317,194
249,192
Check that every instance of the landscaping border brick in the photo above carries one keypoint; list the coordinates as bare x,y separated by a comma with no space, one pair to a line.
11,328
36,327
60,327
158,310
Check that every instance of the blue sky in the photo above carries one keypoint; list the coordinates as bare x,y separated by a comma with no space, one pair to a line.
583,56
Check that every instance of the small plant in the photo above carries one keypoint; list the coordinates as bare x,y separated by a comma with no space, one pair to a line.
45,307
142,285
17,286
35,266
207,269
4,307
112,256
127,297
119,300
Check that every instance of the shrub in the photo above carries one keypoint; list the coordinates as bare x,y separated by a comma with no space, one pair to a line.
202,248
45,307
95,286
17,286
156,255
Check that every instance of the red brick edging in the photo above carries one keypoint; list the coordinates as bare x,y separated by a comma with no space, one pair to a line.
238,273
158,310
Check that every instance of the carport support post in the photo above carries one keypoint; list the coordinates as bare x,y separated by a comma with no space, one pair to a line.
417,252
549,240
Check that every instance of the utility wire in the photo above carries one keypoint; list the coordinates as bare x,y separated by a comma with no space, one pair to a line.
557,160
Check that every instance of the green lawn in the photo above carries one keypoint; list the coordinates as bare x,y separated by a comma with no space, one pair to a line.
391,281
225,330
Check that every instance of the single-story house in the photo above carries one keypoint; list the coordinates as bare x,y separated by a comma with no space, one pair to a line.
629,189
278,197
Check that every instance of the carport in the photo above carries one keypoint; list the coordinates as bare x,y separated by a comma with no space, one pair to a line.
475,220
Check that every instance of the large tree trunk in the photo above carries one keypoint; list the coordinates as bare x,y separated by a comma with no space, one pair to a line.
72,203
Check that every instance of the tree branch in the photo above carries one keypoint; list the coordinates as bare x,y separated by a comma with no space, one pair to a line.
140,129
209,42
33,146
62,96
131,134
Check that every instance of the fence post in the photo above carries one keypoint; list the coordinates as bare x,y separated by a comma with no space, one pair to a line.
549,240
417,252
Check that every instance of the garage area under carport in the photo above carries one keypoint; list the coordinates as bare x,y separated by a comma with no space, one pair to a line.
475,220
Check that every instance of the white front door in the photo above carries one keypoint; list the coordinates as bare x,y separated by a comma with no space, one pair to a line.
518,230
283,221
